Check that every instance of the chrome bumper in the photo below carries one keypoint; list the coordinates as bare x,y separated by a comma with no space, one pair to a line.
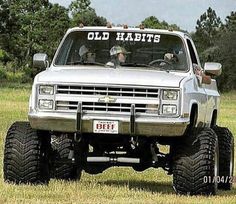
128,124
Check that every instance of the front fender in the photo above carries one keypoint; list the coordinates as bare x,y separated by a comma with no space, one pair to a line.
192,94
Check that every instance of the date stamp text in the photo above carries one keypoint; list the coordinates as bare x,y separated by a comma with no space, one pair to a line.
219,179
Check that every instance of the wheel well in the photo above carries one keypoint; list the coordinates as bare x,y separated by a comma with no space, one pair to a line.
214,118
194,115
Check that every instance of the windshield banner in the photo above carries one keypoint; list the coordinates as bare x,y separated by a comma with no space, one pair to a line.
125,36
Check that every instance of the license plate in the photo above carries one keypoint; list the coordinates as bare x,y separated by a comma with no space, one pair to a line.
105,127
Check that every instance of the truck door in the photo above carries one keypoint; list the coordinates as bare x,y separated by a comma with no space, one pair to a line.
212,98
199,93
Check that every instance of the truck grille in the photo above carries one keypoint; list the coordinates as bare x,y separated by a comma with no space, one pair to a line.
105,107
109,91
125,93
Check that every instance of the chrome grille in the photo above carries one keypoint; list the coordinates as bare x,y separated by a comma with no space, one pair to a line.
105,107
110,91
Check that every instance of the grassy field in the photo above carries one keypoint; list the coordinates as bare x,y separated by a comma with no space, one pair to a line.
116,185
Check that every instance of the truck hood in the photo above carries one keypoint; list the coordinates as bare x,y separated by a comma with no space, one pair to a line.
117,76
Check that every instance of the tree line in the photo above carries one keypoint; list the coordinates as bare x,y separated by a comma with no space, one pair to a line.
31,26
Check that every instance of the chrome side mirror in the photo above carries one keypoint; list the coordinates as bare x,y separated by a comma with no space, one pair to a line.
40,60
213,68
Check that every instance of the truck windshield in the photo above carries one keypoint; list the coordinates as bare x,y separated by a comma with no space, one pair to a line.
123,49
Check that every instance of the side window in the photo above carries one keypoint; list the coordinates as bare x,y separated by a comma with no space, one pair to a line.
192,53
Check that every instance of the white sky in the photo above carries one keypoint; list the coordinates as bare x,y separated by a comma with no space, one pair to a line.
184,13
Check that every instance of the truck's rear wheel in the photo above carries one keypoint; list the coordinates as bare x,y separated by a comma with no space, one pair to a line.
25,155
63,167
195,163
226,157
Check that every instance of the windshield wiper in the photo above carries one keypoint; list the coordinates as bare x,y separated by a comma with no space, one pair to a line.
144,65
135,65
84,63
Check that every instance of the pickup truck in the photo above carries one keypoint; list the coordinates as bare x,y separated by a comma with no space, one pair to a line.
112,96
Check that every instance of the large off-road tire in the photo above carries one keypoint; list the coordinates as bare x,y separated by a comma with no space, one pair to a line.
25,155
63,167
195,163
226,157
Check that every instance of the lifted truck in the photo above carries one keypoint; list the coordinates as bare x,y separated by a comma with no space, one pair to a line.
89,111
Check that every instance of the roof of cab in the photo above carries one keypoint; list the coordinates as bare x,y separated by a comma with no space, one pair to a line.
130,29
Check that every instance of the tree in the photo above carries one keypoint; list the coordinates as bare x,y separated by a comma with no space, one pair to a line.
4,57
28,27
79,6
82,13
227,53
217,42
30,15
48,31
207,30
8,30
153,22
4,14
231,22
19,22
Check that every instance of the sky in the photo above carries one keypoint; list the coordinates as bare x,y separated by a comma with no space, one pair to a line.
184,13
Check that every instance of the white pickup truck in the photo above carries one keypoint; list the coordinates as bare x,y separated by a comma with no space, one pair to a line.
112,97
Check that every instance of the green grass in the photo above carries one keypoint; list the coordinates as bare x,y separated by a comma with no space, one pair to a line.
115,185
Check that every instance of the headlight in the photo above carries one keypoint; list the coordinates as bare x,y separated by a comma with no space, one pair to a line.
46,90
45,104
170,95
169,109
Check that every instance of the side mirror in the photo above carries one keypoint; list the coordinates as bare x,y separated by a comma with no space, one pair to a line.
213,68
40,60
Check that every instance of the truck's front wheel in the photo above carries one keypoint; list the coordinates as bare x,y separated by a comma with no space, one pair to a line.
25,155
195,163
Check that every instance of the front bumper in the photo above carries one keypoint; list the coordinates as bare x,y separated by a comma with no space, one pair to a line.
139,125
